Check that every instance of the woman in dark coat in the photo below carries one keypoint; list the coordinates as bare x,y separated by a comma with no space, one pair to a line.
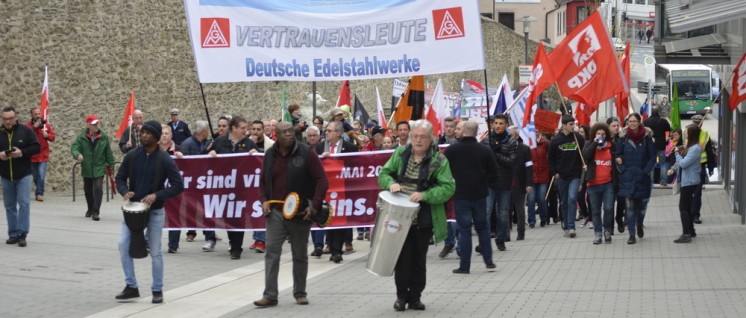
635,158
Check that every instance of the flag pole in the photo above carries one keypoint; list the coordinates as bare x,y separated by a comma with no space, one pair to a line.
487,101
574,136
207,112
716,100
313,102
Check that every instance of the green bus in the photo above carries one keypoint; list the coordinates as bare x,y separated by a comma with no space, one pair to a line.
694,82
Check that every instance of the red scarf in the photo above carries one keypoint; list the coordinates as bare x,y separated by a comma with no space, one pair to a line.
636,136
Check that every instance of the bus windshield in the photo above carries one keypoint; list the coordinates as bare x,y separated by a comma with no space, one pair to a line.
692,85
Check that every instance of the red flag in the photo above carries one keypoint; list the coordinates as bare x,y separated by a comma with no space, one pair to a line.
344,94
44,104
379,110
583,113
585,64
475,86
622,99
541,79
738,88
127,118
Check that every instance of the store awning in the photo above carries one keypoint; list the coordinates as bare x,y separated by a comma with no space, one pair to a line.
687,15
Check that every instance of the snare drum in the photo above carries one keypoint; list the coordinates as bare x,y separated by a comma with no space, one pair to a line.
136,217
393,219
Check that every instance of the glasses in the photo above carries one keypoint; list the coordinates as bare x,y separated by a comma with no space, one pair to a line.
420,137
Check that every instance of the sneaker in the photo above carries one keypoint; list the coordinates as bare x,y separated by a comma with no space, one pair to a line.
631,240
572,233
460,271
253,245
685,238
157,297
172,250
128,293
597,240
327,250
501,246
607,237
316,252
447,249
260,247
22,241
360,236
209,246
235,255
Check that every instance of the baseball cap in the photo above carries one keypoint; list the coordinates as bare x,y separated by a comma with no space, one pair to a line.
174,111
377,130
91,119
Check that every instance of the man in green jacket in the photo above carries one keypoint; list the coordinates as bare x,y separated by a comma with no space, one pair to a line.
91,148
421,172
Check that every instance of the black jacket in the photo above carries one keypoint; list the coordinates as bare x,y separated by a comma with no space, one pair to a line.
659,126
180,131
564,156
223,144
473,166
346,147
128,134
144,174
523,172
505,151
23,138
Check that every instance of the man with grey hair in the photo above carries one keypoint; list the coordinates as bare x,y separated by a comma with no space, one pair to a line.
194,145
313,136
334,144
472,165
131,136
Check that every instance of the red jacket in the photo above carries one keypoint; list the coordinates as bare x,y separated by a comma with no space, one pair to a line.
540,157
43,155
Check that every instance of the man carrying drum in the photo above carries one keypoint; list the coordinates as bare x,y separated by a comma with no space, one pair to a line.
291,169
423,173
141,178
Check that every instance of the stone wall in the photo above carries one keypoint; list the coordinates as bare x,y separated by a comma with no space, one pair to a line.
97,51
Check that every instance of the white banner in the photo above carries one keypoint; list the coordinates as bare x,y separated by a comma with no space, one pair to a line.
332,40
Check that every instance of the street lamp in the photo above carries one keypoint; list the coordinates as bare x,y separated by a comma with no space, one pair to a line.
526,29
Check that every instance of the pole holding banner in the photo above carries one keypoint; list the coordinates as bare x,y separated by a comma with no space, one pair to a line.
207,111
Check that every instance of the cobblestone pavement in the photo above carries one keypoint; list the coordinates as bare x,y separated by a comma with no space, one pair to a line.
71,269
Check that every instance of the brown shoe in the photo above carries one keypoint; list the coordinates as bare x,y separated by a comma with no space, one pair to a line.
266,302
302,300
348,247
40,198
327,250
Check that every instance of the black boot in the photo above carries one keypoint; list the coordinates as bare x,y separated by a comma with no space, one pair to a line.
128,293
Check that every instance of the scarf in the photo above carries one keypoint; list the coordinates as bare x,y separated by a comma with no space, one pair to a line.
636,136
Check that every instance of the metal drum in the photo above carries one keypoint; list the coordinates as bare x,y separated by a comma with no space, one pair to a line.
393,219
136,217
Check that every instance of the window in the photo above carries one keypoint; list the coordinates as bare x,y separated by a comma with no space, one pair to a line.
561,22
639,1
507,19
627,1
583,13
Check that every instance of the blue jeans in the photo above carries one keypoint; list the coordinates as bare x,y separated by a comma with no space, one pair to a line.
466,212
537,196
634,214
317,236
501,198
663,166
260,236
452,232
153,236
568,193
39,171
602,194
17,205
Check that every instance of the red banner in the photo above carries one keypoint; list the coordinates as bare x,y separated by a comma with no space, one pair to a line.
223,192
546,121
